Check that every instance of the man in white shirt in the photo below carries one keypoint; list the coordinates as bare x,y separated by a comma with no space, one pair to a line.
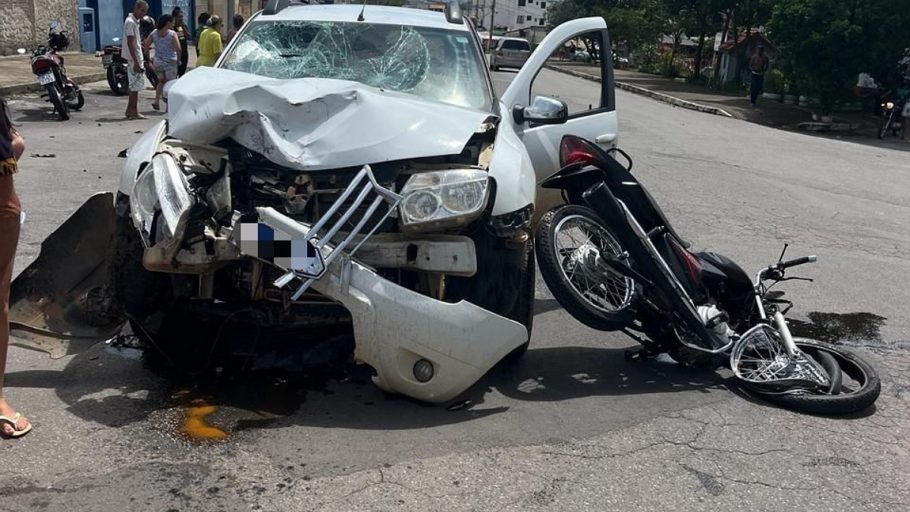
132,52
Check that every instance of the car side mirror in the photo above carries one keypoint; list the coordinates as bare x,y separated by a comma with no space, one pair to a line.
543,110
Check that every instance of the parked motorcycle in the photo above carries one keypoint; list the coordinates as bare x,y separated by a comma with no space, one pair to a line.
614,262
116,66
891,114
47,65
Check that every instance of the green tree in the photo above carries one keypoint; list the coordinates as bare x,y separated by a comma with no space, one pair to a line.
632,22
565,10
825,44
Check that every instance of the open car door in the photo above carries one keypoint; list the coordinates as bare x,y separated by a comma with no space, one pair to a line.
555,71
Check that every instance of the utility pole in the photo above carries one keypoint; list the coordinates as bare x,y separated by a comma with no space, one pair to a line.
492,15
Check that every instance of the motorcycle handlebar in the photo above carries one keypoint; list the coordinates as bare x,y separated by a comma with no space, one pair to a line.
797,261
776,271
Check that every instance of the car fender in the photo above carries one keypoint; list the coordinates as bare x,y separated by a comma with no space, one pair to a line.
512,171
139,154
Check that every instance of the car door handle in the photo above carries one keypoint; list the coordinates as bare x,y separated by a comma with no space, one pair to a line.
605,138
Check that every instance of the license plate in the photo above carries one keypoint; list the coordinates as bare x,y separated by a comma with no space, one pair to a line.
106,60
265,243
46,78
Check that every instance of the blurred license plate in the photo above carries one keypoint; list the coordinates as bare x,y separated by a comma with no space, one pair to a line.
46,78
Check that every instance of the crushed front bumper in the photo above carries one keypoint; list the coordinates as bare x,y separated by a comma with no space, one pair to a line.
394,328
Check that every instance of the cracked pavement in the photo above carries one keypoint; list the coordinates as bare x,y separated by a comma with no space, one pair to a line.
572,426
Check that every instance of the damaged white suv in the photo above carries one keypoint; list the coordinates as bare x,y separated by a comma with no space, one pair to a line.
342,169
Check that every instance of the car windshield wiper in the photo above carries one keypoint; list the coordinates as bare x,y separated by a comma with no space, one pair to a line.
289,55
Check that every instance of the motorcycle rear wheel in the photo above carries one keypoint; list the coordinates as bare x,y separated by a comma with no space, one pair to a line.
859,389
602,300
56,99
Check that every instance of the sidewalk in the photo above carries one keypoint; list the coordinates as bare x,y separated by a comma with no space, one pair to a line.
83,68
16,75
768,112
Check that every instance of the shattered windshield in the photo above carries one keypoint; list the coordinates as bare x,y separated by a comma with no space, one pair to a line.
435,64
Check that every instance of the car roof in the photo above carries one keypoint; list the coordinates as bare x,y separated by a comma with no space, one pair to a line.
380,14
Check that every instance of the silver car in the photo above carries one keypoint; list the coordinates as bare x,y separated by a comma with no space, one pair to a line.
510,52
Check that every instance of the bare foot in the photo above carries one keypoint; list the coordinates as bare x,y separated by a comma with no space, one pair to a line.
6,429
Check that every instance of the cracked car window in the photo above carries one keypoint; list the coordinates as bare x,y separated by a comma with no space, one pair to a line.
435,64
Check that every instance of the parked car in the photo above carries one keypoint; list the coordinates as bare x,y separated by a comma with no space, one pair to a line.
326,175
510,52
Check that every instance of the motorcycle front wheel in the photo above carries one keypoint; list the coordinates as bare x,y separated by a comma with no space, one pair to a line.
56,99
885,124
571,242
855,388
117,80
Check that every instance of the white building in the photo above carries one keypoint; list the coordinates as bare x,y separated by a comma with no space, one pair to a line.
511,15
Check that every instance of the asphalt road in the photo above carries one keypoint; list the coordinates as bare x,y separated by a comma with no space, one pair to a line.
573,426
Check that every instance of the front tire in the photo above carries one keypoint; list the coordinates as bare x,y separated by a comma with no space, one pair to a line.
118,80
504,282
856,395
56,99
601,299
885,124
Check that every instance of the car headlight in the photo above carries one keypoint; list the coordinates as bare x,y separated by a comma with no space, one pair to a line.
444,198
889,105
163,187
144,204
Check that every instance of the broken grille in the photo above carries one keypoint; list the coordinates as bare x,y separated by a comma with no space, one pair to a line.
306,252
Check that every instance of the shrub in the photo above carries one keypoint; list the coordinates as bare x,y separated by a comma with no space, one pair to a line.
650,60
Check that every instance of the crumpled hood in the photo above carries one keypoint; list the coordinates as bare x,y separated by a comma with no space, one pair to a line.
315,123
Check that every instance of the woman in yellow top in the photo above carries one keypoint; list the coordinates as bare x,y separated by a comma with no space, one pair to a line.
209,43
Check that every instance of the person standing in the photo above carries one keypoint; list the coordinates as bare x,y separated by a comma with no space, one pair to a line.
183,34
758,64
201,24
236,25
167,48
12,424
135,64
210,44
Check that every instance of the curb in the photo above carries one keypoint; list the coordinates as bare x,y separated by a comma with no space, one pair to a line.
672,100
10,90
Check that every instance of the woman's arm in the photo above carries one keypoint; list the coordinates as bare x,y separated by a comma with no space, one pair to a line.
177,44
18,144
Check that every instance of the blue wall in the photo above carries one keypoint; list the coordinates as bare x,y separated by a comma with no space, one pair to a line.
111,13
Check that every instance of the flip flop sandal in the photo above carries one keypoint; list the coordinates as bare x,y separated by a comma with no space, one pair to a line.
156,106
13,422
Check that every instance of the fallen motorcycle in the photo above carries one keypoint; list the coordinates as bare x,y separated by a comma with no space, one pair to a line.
47,65
613,261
